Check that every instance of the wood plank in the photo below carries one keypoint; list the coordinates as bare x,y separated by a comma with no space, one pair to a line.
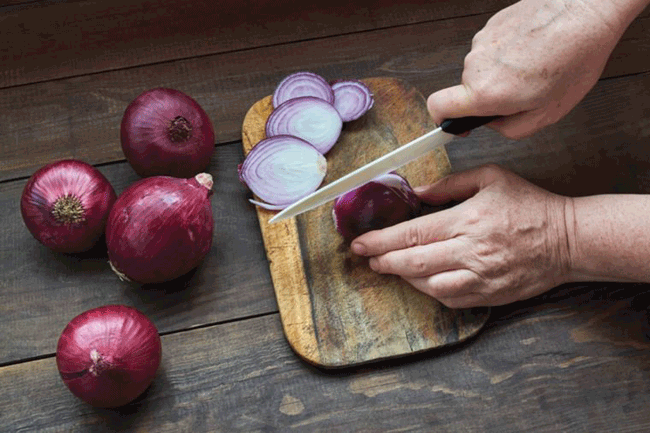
576,359
335,310
52,40
40,291
80,117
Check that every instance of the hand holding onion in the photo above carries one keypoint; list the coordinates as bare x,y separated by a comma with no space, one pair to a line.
506,241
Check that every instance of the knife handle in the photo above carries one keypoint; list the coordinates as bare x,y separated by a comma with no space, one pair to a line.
465,124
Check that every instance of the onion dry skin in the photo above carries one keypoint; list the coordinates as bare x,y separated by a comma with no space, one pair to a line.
281,170
166,132
109,356
65,205
352,99
301,84
309,118
160,228
385,201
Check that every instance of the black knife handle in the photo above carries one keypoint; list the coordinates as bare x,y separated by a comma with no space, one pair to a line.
465,124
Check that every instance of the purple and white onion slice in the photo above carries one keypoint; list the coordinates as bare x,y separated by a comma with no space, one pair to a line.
352,99
281,170
302,84
309,118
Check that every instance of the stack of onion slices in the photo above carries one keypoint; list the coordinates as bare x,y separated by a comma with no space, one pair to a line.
307,117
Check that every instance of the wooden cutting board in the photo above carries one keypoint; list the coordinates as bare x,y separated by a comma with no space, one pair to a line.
335,310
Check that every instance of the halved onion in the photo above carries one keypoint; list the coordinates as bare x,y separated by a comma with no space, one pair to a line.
302,84
309,118
352,99
281,170
385,201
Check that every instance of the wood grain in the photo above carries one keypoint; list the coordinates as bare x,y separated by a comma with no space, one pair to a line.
53,40
335,310
577,359
80,117
40,291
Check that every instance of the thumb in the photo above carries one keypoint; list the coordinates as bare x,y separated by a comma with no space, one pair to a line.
457,186
451,103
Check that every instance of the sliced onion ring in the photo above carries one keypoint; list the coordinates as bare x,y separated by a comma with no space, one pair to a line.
352,99
281,170
302,84
309,118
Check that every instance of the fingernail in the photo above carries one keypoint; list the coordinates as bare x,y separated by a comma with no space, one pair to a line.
420,189
373,264
358,248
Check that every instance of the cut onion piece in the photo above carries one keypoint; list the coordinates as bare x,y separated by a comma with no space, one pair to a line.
309,118
352,99
302,84
385,201
282,169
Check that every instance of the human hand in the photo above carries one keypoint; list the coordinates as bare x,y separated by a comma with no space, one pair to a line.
532,63
505,242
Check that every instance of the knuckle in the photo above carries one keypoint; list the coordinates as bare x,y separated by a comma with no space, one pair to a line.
476,39
486,93
412,235
418,265
491,172
472,216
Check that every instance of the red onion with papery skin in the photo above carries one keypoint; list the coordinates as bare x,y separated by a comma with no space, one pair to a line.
65,205
108,356
301,84
281,170
166,132
385,201
312,119
352,99
160,228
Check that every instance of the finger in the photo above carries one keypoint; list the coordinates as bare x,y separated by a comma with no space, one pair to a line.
467,301
420,261
521,125
446,285
450,103
418,231
457,186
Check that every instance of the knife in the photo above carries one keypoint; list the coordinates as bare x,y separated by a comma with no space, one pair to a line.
393,160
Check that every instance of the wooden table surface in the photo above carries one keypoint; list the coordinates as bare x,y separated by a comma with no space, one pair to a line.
576,359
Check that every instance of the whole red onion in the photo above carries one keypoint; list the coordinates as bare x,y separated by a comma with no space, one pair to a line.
166,132
160,228
382,202
109,355
65,205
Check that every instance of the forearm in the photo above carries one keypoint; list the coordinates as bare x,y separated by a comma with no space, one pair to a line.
608,238
620,13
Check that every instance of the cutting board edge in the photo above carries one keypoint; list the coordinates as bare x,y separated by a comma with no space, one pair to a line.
293,309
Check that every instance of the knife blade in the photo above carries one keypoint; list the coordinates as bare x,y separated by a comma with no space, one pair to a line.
393,160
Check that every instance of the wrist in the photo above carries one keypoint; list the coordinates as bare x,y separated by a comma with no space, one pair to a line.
563,231
617,15
607,238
